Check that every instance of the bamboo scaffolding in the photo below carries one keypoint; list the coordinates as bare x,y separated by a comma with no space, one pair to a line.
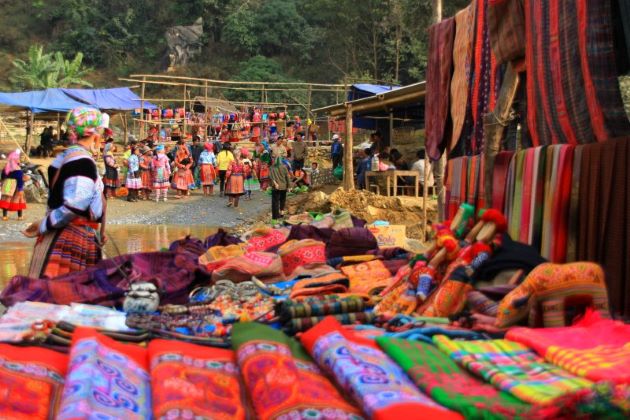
235,82
227,87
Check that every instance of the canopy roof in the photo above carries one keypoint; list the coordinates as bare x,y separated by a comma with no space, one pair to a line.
64,100
363,90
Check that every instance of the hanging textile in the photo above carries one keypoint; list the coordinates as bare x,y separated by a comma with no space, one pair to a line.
190,381
462,61
363,371
453,387
572,88
106,379
439,69
456,182
506,26
499,179
595,348
513,368
281,379
31,380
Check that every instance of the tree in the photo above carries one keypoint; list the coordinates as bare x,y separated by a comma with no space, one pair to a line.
47,70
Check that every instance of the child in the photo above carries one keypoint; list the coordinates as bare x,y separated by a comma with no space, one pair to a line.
110,180
134,182
251,176
161,173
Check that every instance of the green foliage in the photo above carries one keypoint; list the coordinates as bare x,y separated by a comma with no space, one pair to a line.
47,70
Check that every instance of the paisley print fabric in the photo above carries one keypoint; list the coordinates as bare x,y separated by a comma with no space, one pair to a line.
373,380
281,380
190,381
105,380
31,382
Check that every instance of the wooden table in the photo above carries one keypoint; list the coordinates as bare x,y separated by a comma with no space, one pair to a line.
388,175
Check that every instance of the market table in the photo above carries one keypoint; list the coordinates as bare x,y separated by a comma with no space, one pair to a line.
393,174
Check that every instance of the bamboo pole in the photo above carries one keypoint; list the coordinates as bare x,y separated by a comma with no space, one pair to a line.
142,87
234,82
205,110
160,83
184,128
123,117
29,133
348,167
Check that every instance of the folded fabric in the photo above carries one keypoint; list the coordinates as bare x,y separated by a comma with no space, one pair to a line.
190,381
369,277
282,380
105,379
219,253
595,348
320,305
363,371
221,238
301,253
441,378
514,368
296,325
342,219
321,285
265,238
350,241
265,266
31,382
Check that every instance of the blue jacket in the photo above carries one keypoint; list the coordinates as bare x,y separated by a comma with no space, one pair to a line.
336,148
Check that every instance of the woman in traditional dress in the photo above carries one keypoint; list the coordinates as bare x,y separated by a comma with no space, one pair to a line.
67,238
183,175
161,173
134,181
207,168
110,180
146,160
235,178
12,187
262,163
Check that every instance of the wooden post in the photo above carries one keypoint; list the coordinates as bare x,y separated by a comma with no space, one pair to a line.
59,126
205,110
123,117
29,133
391,128
184,125
348,167
425,192
309,93
440,165
142,86
494,126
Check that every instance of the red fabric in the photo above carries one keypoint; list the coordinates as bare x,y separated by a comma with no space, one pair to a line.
499,179
135,352
526,214
561,203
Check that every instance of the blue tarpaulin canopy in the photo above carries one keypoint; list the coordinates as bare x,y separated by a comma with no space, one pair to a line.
363,90
116,99
63,100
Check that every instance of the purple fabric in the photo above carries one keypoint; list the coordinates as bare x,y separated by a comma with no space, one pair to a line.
221,238
174,274
356,222
391,253
351,241
189,244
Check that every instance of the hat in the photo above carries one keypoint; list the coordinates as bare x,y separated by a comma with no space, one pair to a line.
209,147
84,121
159,148
335,137
108,132
145,150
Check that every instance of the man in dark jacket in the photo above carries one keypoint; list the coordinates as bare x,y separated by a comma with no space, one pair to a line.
336,151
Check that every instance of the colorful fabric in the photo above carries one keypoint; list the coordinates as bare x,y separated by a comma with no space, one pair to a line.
190,381
265,238
282,381
265,266
106,379
161,172
506,26
449,385
595,348
13,162
319,306
73,248
369,277
578,101
555,285
207,174
456,183
84,121
439,68
325,284
462,60
364,372
513,368
499,179
296,325
31,382
218,253
305,252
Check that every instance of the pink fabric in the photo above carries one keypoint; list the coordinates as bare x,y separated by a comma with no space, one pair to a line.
13,162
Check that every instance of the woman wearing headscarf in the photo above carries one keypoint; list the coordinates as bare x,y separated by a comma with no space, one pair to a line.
235,179
111,169
262,161
12,198
161,173
146,172
68,238
207,168
134,180
183,176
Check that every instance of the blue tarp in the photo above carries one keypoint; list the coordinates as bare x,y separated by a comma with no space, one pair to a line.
118,99
38,101
63,100
364,90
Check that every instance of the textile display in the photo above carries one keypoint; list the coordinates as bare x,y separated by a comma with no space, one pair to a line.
105,379
282,380
462,61
218,253
263,265
350,241
190,381
499,179
603,205
329,283
594,347
453,387
320,305
555,284
265,239
439,70
296,325
456,182
513,368
367,278
31,382
572,88
506,26
301,253
364,372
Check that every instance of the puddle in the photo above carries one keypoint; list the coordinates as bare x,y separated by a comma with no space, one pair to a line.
15,257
